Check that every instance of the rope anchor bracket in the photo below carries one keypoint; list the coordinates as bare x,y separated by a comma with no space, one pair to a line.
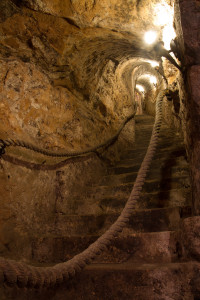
2,147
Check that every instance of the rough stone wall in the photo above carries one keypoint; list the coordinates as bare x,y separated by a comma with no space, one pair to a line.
61,89
46,54
172,112
34,197
187,26
126,16
66,83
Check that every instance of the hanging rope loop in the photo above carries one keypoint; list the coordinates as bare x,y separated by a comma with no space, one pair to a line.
19,143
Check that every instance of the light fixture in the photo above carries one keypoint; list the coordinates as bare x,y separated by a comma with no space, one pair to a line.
152,79
140,88
150,37
168,35
153,63
163,17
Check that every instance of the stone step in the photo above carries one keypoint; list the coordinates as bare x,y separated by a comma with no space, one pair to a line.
106,199
142,220
148,126
126,281
132,247
175,155
161,181
143,138
170,198
130,281
180,169
164,149
144,119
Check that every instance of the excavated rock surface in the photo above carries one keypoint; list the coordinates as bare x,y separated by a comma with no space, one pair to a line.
187,23
151,254
59,84
66,81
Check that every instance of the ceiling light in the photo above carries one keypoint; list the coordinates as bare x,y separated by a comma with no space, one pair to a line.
150,37
153,79
140,88
168,35
153,63
164,15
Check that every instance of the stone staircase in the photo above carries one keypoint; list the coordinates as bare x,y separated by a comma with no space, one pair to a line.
145,262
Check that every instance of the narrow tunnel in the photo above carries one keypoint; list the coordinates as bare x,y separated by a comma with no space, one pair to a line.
99,145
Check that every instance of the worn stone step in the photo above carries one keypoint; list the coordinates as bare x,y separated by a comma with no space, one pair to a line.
144,138
163,142
126,281
148,127
144,119
142,220
122,184
133,247
180,169
146,201
177,155
159,182
114,198
134,281
171,151
141,150
137,160
124,189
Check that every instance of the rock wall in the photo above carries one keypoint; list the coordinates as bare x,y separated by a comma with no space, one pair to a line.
67,79
35,196
61,89
187,26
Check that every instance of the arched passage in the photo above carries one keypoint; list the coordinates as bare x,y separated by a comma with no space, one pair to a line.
70,73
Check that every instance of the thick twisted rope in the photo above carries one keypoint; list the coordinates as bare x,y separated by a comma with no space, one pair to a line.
12,142
12,272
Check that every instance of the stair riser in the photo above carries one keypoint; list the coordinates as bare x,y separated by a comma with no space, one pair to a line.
153,174
162,283
143,139
116,196
155,220
139,248
161,182
174,160
163,148
147,201
126,283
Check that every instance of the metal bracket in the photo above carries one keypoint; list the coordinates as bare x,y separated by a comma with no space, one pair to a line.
2,147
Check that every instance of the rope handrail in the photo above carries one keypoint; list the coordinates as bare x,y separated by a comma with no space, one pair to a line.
13,272
19,143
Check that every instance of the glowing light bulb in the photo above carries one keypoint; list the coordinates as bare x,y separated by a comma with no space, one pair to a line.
168,35
140,88
150,37
154,63
164,15
153,79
